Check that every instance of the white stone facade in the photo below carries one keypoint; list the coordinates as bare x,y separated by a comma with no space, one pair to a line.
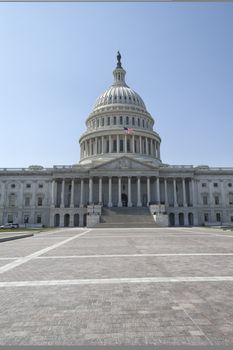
120,165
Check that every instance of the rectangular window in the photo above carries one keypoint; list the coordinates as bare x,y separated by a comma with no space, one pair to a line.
121,146
218,217
28,185
205,200
108,120
230,198
98,123
39,201
215,184
216,200
12,200
232,218
203,185
41,185
206,217
133,121
38,219
114,120
10,218
127,120
27,201
121,120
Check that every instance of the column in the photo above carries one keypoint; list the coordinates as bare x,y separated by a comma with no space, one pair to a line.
81,193
158,190
174,192
193,193
95,146
139,202
110,143
147,152
133,144
148,191
118,143
90,190
165,189
100,190
184,193
53,193
86,151
72,194
119,192
129,192
125,143
102,144
151,147
140,144
155,148
62,194
158,150
109,192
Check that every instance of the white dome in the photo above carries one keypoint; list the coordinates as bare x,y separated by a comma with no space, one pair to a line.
119,95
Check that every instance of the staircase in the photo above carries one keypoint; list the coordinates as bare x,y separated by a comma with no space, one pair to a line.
126,217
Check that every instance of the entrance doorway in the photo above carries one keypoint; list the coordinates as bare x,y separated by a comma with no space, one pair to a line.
124,199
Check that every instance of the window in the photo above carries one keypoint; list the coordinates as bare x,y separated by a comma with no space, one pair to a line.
127,120
114,120
143,123
38,219
206,217
121,145
108,120
13,186
41,185
39,201
203,184
133,121
27,201
114,145
121,120
215,184
218,217
230,185
230,198
231,218
205,200
12,200
28,185
10,218
102,122
138,122
216,200
98,122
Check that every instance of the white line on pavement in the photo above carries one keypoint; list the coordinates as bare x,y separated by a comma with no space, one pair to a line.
117,281
130,255
27,258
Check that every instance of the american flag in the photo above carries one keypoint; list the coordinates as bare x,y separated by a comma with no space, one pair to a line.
128,130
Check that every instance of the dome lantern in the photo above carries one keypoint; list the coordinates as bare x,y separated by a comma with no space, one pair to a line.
119,73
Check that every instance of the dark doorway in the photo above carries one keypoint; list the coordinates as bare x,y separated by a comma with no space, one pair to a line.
190,218
66,220
57,220
181,219
124,200
85,220
172,219
76,220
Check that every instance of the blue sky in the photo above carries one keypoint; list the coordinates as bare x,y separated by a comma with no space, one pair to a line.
56,58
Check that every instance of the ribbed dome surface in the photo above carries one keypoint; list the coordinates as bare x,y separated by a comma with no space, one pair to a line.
119,95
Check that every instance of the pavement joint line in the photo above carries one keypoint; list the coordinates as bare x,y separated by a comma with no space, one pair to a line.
129,255
102,281
27,258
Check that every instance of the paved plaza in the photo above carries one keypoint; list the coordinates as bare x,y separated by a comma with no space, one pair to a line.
118,286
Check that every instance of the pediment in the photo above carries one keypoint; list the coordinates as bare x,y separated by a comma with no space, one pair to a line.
125,163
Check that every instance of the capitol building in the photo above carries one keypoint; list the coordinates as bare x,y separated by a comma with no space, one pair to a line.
120,175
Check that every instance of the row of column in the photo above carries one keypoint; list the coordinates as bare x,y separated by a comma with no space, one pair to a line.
98,145
139,203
